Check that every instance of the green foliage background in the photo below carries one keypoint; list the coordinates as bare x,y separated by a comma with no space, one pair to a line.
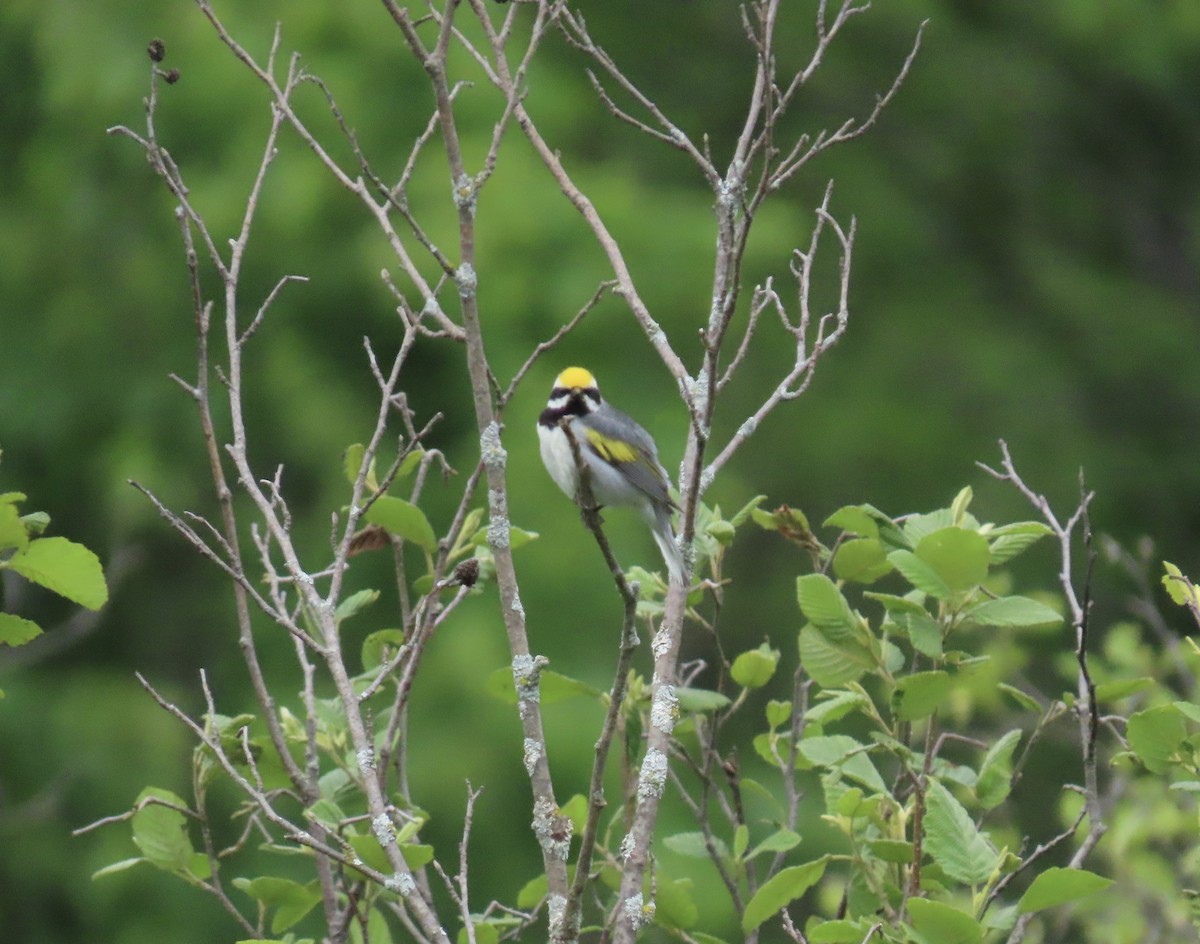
1026,267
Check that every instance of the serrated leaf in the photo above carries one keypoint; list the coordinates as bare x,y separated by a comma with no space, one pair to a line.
753,669
836,706
959,557
1007,541
1155,735
823,604
925,634
403,519
1056,886
995,773
160,832
842,753
861,560
919,695
1017,612
938,923
920,574
67,568
831,664
779,891
1177,585
952,840
16,630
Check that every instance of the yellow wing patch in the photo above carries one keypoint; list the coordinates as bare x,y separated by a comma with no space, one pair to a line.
575,378
611,450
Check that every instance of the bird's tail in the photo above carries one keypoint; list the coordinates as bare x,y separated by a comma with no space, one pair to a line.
664,537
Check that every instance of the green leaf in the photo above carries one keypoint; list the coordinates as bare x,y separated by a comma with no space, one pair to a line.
352,461
925,634
1123,688
841,931
743,513
952,840
1177,585
1155,735
920,574
354,603
782,840
16,630
517,537
741,840
1009,540
892,850
1024,699
576,810
862,560
553,687
532,892
116,867
1018,612
674,907
161,832
698,700
958,556
485,933
832,664
1056,886
867,521
13,532
416,854
834,706
67,568
693,846
842,753
822,602
995,773
779,891
778,713
938,923
404,519
290,900
853,519
753,669
919,695
382,645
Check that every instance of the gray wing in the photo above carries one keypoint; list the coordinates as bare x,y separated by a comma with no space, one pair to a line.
646,473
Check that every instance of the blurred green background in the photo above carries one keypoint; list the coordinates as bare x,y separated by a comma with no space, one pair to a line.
1026,267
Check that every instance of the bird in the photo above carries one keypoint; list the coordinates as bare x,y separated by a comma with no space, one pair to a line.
620,455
